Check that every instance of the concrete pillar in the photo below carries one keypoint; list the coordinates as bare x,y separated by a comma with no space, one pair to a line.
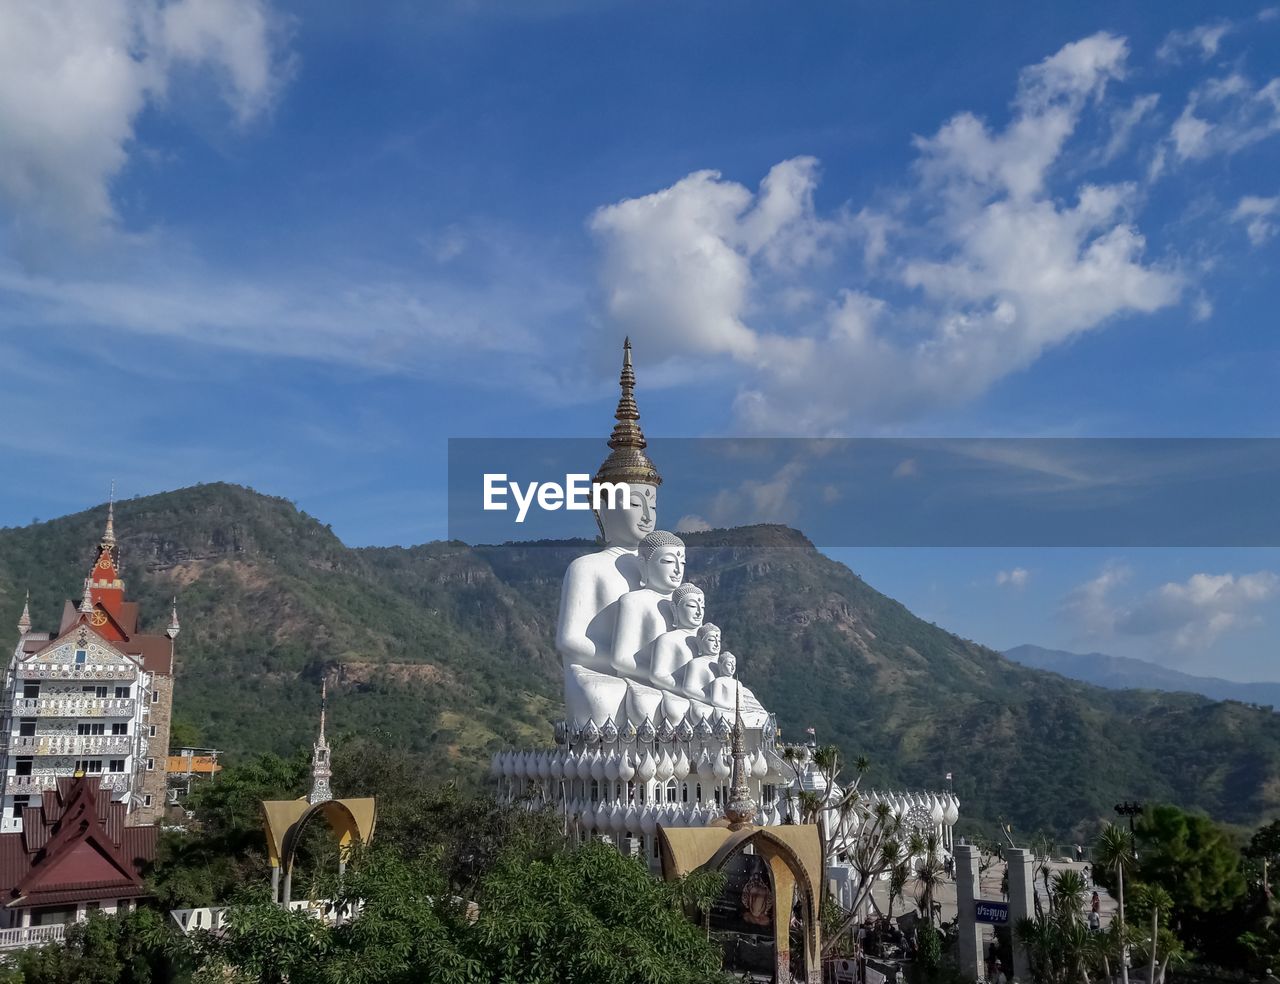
275,883
287,896
1022,903
967,893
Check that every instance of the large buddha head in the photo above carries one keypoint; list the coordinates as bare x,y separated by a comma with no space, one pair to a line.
631,522
627,525
661,561
709,639
690,605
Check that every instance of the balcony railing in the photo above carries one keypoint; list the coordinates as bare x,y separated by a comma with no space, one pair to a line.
115,781
71,745
74,706
75,671
21,937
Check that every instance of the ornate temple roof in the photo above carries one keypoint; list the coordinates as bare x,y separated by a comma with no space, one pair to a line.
75,846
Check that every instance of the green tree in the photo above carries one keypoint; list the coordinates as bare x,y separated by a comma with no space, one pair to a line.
1190,857
1113,853
586,916
139,947
224,852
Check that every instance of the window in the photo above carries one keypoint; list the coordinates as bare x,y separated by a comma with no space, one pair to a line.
152,732
82,657
27,727
146,800
120,728
22,766
115,765
30,689
124,692
151,764
91,729
91,767
20,804
155,696
92,691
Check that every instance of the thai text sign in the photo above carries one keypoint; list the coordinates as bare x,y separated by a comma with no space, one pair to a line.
991,912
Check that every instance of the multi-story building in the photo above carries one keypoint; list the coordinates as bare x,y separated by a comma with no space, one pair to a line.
93,699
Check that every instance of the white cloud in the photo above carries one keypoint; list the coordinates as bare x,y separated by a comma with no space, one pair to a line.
1202,40
1089,605
906,468
74,78
1124,122
1000,271
692,523
1016,578
1256,214
1188,615
1225,116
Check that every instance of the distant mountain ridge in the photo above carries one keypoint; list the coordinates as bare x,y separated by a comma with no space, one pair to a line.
448,650
1125,672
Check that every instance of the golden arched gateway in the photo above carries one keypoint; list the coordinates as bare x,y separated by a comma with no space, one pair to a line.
351,821
792,856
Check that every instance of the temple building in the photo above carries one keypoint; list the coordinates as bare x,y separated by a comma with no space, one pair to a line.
659,734
93,698
74,854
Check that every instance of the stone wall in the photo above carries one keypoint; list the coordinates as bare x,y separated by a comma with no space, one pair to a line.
151,782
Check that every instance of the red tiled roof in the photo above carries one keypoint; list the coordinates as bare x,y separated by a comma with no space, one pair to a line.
74,846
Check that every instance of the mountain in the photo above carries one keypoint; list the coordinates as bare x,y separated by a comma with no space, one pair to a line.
447,648
1123,673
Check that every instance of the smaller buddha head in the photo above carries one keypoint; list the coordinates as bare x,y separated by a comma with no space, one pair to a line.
690,605
662,561
709,639
727,665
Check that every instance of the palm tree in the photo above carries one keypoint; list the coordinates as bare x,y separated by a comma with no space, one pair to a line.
1156,899
1114,852
928,868
1061,947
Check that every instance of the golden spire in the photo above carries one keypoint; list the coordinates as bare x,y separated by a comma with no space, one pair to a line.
627,462
109,534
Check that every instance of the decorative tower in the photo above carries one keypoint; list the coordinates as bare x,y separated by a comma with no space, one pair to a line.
24,620
174,628
741,809
320,768
627,461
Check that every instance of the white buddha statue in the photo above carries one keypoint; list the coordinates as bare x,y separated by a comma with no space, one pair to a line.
668,653
593,583
695,676
723,689
645,614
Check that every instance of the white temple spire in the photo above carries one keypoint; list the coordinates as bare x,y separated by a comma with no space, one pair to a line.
109,534
320,767
24,620
86,603
174,628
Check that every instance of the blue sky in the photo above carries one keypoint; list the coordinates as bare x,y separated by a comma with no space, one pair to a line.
301,247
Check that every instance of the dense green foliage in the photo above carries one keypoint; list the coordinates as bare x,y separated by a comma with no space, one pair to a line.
448,649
